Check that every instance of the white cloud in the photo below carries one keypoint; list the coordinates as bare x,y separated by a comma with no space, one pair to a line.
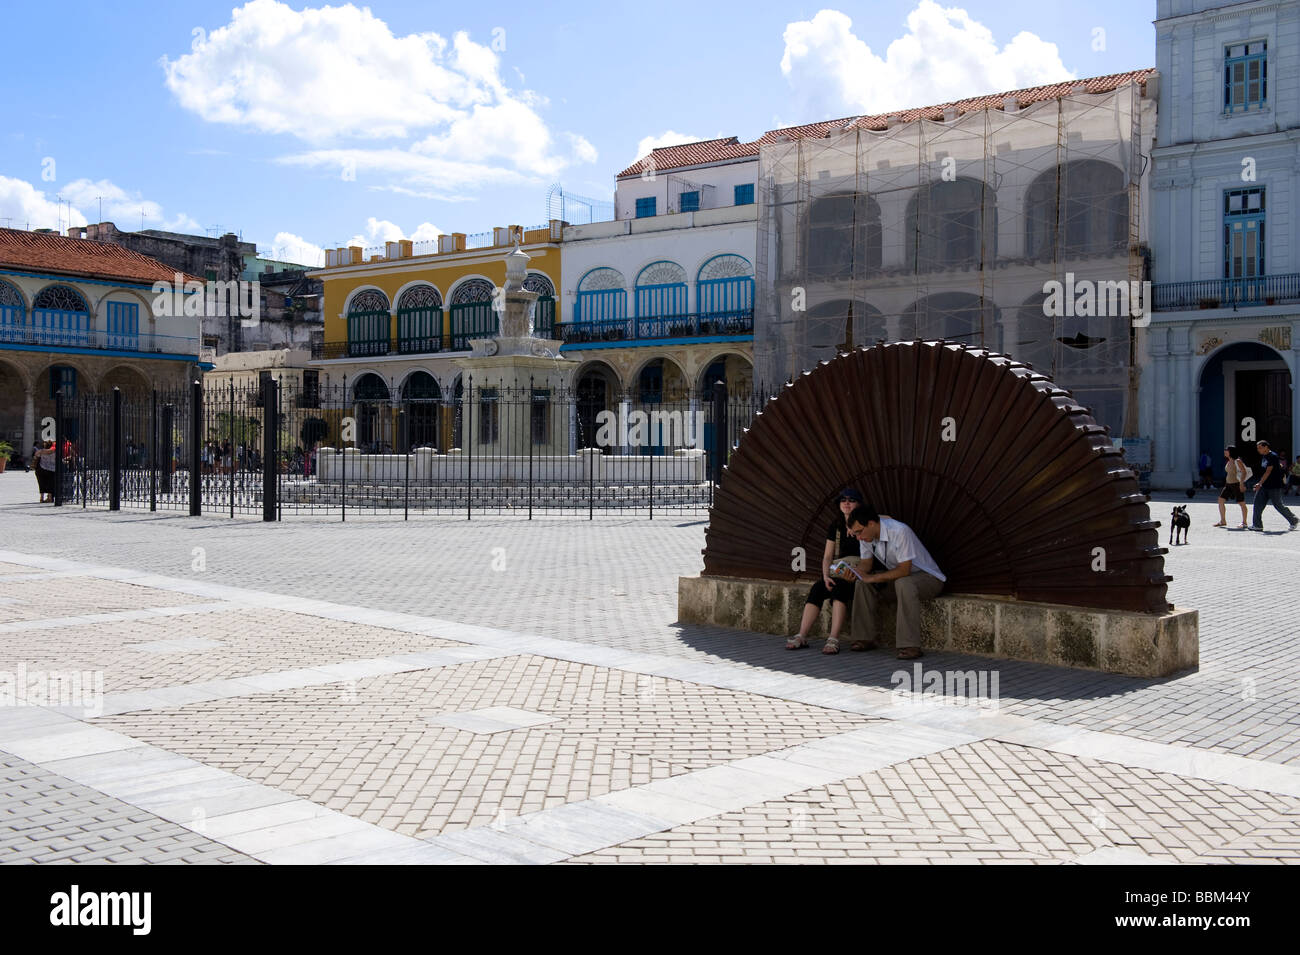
288,247
944,55
666,138
125,208
333,76
22,205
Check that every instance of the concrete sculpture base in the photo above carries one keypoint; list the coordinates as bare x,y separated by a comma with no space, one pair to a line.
1115,641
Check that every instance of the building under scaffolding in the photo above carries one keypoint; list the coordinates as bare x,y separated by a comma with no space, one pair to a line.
950,222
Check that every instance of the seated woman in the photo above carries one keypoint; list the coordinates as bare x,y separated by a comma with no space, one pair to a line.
839,543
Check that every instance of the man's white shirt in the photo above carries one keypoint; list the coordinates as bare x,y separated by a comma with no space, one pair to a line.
897,543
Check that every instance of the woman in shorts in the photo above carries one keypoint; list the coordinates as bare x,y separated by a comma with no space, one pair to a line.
839,543
1234,485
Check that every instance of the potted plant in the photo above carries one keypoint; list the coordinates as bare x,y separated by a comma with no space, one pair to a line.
6,452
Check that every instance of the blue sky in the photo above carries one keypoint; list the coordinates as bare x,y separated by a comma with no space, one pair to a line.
305,127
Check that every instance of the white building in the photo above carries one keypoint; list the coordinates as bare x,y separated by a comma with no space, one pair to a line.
659,303
1224,341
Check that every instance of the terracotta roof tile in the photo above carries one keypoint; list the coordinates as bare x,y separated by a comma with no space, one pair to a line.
57,254
715,150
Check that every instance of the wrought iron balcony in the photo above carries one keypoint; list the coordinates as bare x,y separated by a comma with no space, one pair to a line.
1227,293
369,348
659,327
98,340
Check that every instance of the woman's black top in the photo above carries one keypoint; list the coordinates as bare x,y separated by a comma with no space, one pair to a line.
845,544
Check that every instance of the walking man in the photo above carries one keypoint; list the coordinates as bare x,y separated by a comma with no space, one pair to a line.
910,576
1269,489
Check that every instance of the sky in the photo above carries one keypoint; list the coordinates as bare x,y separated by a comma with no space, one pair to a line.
308,127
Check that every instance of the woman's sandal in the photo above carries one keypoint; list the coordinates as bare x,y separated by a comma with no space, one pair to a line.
832,645
1220,524
796,643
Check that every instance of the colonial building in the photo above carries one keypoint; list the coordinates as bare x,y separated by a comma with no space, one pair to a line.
288,300
1225,335
77,316
958,221
397,318
660,301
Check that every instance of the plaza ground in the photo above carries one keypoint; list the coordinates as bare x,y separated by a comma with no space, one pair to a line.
506,690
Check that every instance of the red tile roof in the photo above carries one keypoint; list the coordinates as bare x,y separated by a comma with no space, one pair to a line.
56,254
716,150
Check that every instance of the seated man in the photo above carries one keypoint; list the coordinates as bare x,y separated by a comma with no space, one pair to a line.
910,576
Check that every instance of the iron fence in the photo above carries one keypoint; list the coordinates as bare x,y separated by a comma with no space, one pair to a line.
526,449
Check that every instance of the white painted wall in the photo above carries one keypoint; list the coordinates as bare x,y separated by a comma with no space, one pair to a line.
689,239
723,177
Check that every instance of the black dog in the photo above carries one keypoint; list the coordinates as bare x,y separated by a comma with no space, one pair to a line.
1179,521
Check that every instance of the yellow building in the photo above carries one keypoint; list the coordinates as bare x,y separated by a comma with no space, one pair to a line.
397,318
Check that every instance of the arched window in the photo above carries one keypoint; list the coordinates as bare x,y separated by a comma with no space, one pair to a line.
724,291
544,307
13,314
952,224
1079,208
602,304
954,316
420,402
844,236
661,301
419,320
472,315
368,323
60,316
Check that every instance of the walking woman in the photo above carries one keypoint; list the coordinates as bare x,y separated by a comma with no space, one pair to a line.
839,543
45,463
1234,485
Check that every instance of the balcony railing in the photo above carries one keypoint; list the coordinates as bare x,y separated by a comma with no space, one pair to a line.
414,345
98,340
659,327
1227,293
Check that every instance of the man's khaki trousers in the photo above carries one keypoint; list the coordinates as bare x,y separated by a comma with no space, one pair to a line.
907,592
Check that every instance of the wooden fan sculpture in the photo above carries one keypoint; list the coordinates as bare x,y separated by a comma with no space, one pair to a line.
1008,480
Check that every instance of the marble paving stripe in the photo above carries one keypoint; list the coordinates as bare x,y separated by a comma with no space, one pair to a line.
117,616
261,821
614,818
1183,760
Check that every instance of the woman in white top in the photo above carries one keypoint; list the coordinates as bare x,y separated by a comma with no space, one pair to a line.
1234,485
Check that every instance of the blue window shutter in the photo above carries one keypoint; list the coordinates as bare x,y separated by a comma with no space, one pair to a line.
645,207
745,194
690,202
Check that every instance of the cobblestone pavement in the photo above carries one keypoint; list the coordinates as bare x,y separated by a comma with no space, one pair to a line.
498,690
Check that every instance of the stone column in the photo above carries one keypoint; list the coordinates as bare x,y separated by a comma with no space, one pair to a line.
1010,322
1183,418
29,422
1162,449
1295,390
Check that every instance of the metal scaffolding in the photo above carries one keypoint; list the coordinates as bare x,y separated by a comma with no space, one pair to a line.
951,226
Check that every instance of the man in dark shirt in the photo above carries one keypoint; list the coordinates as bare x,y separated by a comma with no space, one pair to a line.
1269,489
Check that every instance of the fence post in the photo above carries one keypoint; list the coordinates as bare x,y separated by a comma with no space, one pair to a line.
406,440
343,491
529,425
652,468
196,448
469,461
153,451
270,447
233,467
58,448
720,426
115,453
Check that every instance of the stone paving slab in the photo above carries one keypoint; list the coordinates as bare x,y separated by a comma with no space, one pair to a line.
160,654
986,802
668,743
45,817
